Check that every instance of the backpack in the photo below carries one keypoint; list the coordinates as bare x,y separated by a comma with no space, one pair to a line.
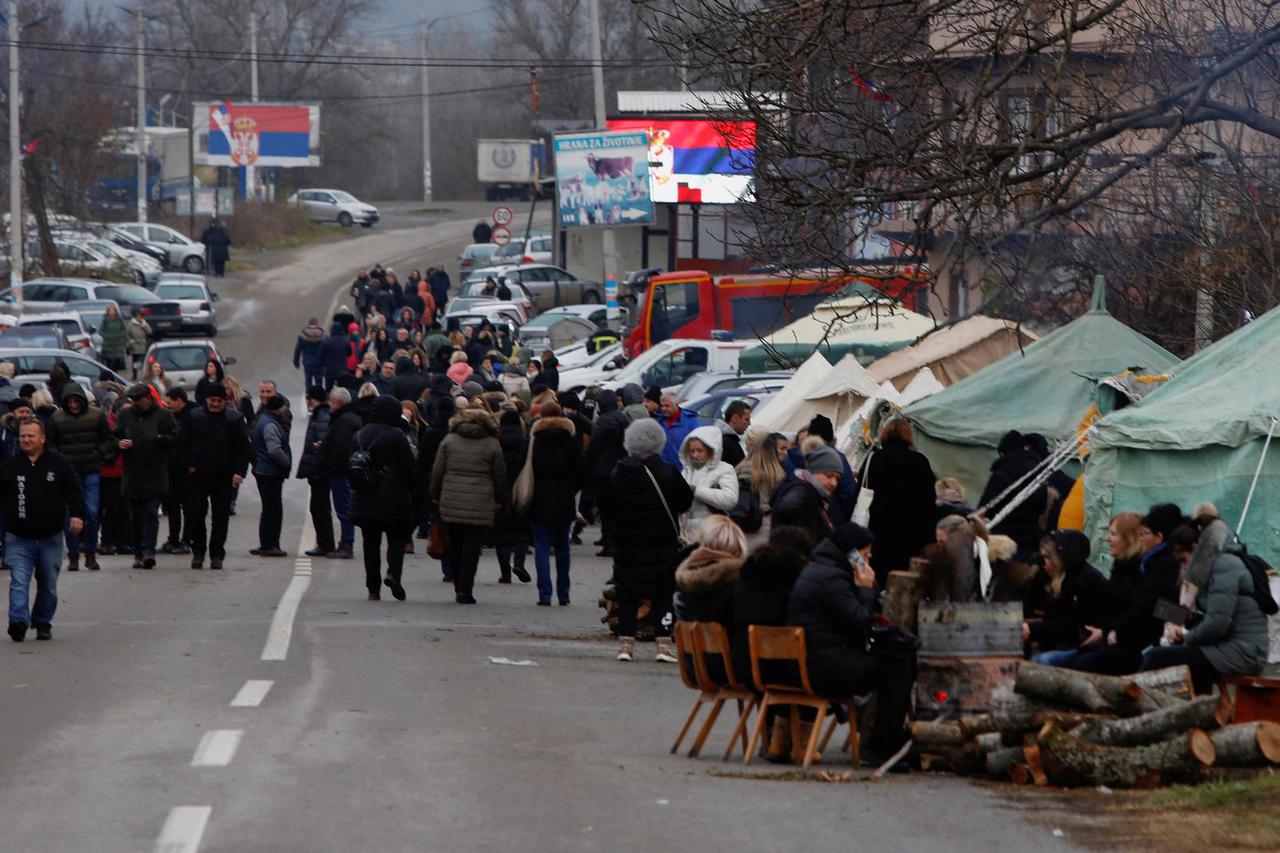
1259,568
362,472
747,513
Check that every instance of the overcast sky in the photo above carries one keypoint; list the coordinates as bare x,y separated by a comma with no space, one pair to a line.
392,13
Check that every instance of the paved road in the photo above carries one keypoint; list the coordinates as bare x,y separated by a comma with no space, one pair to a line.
144,725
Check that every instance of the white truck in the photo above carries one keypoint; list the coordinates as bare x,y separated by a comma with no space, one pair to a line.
509,168
666,364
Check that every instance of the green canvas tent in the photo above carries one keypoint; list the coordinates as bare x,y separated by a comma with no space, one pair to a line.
1046,389
1199,437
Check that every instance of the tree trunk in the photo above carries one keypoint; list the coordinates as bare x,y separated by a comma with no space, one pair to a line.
989,742
1094,693
929,735
903,591
1070,762
1173,680
1001,761
1031,717
1254,744
1209,712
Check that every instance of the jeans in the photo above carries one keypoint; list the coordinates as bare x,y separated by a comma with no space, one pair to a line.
371,544
91,484
144,517
340,488
1054,658
313,376
321,517
208,493
543,537
27,558
270,490
465,542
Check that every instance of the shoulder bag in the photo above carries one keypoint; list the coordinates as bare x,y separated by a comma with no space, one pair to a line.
862,507
680,543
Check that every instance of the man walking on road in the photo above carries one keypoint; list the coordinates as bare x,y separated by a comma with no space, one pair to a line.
147,434
217,450
272,459
38,489
335,452
82,434
311,469
175,500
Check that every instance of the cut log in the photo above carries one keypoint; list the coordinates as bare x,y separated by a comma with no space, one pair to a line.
1086,691
1173,680
952,759
1019,774
1255,744
1035,764
929,735
1209,712
989,742
1070,762
903,591
1001,761
1030,717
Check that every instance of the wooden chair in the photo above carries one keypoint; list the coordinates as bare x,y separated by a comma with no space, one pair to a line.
711,645
787,645
691,674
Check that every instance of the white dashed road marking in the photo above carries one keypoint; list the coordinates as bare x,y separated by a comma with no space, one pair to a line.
183,829
252,694
217,748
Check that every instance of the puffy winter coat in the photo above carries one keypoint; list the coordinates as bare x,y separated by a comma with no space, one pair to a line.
760,597
113,338
644,540
468,475
557,472
513,382
704,586
84,438
334,351
902,512
1233,632
606,444
146,464
796,501
1083,598
335,451
1136,625
137,337
307,351
1023,524
311,465
714,483
409,383
395,503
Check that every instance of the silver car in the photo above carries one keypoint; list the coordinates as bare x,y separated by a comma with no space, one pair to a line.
32,365
552,286
184,253
184,361
336,206
197,301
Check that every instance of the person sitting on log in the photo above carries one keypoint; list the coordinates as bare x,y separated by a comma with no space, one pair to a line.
1230,638
1068,595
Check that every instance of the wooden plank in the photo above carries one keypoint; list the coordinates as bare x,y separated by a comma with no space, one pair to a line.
970,629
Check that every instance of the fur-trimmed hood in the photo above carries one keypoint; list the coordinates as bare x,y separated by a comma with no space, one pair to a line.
705,570
544,424
473,423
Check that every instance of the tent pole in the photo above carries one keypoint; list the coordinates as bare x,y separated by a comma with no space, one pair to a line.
1244,513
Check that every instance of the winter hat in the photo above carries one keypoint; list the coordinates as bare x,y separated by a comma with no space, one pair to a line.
1037,444
821,426
472,389
509,418
137,392
353,328
216,389
632,394
276,403
654,393
606,401
645,437
568,400
1010,442
823,460
1073,547
1162,518
851,537
386,410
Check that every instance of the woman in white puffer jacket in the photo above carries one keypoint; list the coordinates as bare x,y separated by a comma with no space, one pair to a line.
714,483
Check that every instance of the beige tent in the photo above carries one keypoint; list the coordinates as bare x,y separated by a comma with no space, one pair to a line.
954,352
778,413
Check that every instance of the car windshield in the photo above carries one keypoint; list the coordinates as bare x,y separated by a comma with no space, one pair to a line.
71,327
343,196
29,337
128,293
103,248
182,358
637,366
180,291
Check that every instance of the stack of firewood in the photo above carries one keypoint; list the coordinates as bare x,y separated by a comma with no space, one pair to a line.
1055,726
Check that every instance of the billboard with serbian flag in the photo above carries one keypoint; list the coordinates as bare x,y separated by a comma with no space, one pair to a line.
706,161
233,133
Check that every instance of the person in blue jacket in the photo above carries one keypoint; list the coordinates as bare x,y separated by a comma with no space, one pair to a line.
307,353
676,423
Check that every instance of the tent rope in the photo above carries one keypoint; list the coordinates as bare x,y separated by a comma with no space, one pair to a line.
1244,513
1063,450
1040,479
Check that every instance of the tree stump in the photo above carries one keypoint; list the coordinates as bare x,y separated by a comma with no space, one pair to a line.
929,735
1255,744
1209,712
1069,761
903,591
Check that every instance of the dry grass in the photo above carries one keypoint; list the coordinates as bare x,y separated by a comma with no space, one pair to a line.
260,227
1233,815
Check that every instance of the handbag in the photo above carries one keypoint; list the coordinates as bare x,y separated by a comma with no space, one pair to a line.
522,489
747,513
891,641
437,541
680,543
866,494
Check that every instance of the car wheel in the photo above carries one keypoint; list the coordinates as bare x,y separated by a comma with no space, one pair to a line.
213,331
366,224
344,219
590,297
193,264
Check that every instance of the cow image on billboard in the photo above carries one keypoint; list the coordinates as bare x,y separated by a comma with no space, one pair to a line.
602,179
705,161
257,134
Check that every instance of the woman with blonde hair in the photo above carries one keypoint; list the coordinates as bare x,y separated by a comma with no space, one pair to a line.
759,474
156,378
705,578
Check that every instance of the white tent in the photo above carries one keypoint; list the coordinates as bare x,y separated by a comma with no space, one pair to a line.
850,435
836,395
924,384
776,413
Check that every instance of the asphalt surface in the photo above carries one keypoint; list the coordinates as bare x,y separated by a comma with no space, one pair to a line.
386,725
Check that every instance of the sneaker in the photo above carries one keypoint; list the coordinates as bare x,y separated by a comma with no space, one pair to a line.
318,552
17,630
197,562
522,573
626,648
167,548
397,590
666,652
149,563
215,565
91,562
44,632
73,562
180,548
137,563
272,552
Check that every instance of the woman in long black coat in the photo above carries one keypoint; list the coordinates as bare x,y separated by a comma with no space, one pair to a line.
902,512
510,528
558,474
391,507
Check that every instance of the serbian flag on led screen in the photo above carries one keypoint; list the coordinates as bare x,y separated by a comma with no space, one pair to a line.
259,134
698,160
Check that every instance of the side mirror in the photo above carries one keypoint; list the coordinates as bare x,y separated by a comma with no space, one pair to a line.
231,359
610,365
93,330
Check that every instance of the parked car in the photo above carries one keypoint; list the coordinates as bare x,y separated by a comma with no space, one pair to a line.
539,250
475,255
479,274
336,206
711,381
184,253
495,312
184,361
37,337
195,300
519,294
120,238
32,365
668,364
710,408
85,254
557,327
551,286
92,311
78,335
53,294
580,369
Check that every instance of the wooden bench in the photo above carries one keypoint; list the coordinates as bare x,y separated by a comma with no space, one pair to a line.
1256,697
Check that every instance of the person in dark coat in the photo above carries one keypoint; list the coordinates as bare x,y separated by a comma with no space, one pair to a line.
833,599
706,576
558,472
651,495
1065,599
213,375
602,457
217,243
335,452
1133,625
311,468
272,461
307,353
387,508
510,529
467,482
216,447
333,355
80,432
1023,523
408,383
902,512
438,281
173,502
145,434
550,370
801,499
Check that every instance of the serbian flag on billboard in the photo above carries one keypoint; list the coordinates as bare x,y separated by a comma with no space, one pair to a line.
698,160
261,134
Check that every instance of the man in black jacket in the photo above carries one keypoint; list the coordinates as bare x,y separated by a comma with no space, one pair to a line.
1022,525
216,447
312,470
38,489
176,499
335,453
81,433
602,457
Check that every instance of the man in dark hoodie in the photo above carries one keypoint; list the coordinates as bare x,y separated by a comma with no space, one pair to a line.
38,489
217,448
603,453
1067,597
408,383
1014,462
309,355
334,351
82,434
145,434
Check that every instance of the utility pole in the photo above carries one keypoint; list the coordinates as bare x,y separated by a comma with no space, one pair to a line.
609,246
426,121
140,34
16,263
250,172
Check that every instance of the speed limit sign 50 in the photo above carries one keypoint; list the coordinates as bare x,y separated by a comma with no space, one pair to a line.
502,216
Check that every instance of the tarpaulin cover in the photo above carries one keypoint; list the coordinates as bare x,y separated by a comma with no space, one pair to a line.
867,329
954,353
